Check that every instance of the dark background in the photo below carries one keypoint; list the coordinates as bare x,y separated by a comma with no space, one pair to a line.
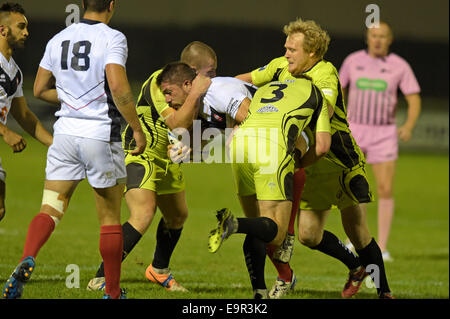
247,34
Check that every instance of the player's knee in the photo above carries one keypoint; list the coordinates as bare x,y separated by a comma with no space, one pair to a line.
2,212
308,238
384,191
176,221
54,204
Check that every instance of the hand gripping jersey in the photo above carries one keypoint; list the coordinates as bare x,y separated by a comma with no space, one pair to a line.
77,57
222,99
11,80
344,151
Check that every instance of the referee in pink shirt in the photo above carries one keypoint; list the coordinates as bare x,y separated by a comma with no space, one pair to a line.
371,78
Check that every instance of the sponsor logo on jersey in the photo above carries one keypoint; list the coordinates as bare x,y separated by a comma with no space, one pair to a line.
267,109
2,78
262,68
371,84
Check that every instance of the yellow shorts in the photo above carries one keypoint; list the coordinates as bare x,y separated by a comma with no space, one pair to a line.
153,173
270,178
328,185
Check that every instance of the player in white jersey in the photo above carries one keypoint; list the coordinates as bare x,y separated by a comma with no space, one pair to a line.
13,34
86,63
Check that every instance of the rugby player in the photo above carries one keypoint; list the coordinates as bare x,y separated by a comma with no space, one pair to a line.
83,71
338,179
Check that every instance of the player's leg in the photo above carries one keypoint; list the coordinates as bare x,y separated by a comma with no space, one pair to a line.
108,202
142,207
277,213
56,196
384,177
355,225
174,213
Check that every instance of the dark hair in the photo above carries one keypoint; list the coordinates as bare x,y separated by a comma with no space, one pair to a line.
176,73
96,5
12,7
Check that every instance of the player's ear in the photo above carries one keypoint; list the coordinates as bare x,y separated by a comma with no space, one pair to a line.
3,30
112,4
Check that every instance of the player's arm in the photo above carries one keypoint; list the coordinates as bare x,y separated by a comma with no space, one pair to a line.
29,122
414,108
185,115
322,138
14,140
44,86
123,99
242,112
246,77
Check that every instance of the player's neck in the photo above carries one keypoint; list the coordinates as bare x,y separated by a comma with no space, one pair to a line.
103,17
5,49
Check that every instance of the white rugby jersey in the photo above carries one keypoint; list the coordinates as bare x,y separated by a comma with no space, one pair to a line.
11,80
223,97
77,57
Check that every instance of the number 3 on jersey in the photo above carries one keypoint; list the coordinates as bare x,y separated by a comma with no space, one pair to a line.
80,51
277,92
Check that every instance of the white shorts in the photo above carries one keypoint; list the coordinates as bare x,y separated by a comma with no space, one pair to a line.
75,158
2,172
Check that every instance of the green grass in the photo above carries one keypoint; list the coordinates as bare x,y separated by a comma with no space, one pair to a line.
419,241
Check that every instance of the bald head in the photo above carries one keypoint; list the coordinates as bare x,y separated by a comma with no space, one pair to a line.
379,39
201,57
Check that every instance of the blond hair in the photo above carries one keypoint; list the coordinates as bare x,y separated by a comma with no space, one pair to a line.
316,39
195,54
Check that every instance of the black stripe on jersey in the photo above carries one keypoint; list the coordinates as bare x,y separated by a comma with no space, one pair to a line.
10,85
288,191
340,99
113,114
251,89
340,119
343,148
146,100
276,76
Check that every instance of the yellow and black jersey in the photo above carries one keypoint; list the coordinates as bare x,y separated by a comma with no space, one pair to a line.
344,151
150,104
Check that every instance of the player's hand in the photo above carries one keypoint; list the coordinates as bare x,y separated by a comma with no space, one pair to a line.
200,85
15,141
404,133
178,152
141,142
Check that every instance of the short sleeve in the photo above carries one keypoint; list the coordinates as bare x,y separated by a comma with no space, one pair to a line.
265,74
228,98
408,82
117,50
328,84
344,72
46,62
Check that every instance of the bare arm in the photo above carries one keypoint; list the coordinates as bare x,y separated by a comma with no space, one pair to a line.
184,116
414,108
14,140
123,99
44,87
242,112
320,149
29,121
246,77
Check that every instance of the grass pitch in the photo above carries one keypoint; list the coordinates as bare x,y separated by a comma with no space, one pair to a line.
419,239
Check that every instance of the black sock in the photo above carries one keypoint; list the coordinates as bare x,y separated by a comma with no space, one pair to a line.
372,259
255,259
263,228
332,246
166,240
130,238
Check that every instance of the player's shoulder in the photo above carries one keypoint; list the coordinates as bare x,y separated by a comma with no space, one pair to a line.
397,59
356,55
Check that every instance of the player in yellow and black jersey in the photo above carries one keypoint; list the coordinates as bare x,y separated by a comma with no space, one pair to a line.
337,179
152,179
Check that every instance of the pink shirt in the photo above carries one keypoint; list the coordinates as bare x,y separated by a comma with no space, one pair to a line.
373,84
